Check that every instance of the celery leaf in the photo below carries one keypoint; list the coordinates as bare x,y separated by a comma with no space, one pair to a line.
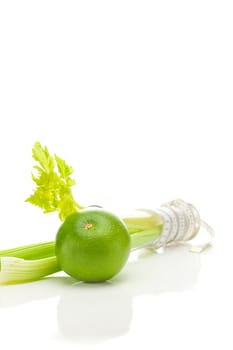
53,183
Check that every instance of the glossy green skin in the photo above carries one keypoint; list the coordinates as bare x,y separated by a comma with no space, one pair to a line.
92,254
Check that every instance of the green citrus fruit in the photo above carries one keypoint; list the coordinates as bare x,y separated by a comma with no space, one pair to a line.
92,245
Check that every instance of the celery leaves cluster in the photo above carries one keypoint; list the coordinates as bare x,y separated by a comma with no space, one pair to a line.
53,183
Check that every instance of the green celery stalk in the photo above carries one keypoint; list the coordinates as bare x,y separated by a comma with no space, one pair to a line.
17,270
31,252
33,262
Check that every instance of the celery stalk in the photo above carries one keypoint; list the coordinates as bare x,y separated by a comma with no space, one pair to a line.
17,270
33,262
144,238
32,251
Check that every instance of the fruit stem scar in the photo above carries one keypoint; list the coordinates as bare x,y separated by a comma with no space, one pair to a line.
88,226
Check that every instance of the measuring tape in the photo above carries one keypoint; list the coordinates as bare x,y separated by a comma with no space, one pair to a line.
181,224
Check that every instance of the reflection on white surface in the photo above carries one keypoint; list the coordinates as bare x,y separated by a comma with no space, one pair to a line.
175,270
96,312
93,313
14,295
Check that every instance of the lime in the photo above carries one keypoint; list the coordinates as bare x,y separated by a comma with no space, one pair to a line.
92,245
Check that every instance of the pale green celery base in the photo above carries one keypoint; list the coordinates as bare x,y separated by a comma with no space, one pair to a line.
141,223
16,270
141,239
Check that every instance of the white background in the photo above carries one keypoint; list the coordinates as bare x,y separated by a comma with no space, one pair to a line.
137,96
